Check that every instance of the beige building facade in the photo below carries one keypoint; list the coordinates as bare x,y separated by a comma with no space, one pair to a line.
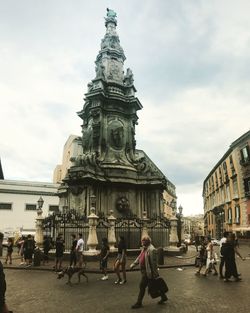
226,191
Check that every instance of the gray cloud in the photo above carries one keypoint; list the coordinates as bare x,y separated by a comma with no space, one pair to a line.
190,61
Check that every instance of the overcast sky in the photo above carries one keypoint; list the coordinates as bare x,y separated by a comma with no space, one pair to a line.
190,60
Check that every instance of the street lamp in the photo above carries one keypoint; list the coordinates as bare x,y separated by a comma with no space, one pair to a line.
40,203
39,223
180,209
179,222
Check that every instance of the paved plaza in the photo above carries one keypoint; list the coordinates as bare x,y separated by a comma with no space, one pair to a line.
40,291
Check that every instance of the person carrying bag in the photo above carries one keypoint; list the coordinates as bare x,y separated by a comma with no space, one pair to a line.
147,260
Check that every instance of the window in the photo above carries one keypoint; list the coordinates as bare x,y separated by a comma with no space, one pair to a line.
53,208
232,164
229,216
245,153
228,198
224,166
237,214
5,206
216,180
30,207
220,175
235,188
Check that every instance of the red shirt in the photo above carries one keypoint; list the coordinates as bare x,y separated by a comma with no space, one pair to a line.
142,259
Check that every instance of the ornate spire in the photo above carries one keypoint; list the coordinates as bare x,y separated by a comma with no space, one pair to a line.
111,17
110,59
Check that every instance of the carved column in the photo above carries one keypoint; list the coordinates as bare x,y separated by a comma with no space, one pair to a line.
144,232
92,238
111,231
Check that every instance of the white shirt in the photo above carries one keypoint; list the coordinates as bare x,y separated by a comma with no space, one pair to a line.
80,245
223,240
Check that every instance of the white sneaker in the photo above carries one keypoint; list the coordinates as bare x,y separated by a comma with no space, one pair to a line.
122,282
105,277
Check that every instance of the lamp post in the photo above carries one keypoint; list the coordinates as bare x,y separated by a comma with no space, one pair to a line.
173,238
92,238
179,224
39,223
111,231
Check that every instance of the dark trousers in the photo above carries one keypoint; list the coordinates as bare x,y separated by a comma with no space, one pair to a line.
72,258
231,268
222,262
143,286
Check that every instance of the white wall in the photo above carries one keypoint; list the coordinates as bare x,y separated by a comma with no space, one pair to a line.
21,193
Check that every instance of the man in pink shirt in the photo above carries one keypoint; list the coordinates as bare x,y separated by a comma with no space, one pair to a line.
147,260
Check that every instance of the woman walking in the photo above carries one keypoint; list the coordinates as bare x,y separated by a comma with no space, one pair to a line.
121,261
9,251
210,265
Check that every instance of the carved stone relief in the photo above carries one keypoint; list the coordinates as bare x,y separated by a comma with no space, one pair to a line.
122,205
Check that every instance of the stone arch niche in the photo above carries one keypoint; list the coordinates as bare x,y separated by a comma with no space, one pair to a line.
116,134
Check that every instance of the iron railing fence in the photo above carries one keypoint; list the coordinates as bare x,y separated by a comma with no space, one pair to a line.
130,228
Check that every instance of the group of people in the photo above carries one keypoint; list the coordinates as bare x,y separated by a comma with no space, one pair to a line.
26,247
120,261
147,260
228,250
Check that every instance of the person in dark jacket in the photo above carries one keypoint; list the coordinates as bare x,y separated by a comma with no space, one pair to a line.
46,247
73,258
228,251
59,252
3,305
28,249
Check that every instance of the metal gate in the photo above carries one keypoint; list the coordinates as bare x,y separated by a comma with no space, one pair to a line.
129,227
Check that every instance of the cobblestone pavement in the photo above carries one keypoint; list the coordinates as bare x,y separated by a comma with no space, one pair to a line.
41,292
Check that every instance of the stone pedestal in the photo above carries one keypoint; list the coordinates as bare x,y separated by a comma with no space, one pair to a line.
173,240
92,238
39,229
111,232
